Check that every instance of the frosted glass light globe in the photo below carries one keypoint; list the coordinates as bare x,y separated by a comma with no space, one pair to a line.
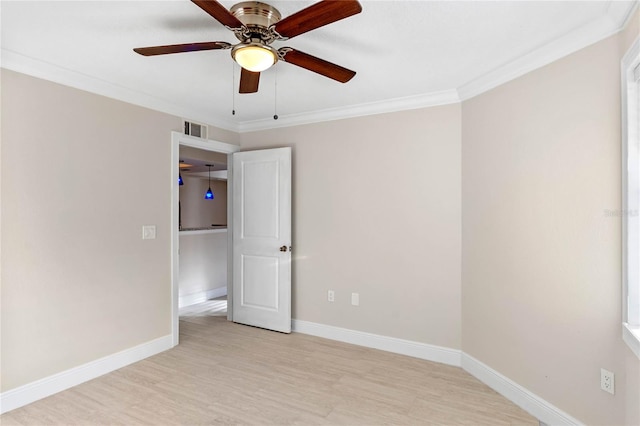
254,57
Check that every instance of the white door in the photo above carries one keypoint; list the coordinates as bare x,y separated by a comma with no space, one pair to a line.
262,238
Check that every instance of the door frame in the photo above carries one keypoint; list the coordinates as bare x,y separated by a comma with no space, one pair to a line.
178,139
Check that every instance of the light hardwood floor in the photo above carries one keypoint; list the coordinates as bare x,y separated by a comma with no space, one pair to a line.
225,373
211,308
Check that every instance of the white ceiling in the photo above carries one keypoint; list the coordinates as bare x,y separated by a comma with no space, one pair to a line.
407,54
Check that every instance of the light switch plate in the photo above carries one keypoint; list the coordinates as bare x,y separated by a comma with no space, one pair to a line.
148,232
355,299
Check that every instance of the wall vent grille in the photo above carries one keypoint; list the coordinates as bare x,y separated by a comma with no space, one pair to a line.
195,129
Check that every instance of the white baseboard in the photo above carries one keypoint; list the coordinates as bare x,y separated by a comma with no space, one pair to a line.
545,412
42,388
201,296
389,344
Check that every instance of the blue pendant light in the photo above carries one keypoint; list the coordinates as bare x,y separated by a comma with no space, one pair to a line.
209,194
180,181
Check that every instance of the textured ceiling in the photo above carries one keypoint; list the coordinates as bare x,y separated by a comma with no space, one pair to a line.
401,50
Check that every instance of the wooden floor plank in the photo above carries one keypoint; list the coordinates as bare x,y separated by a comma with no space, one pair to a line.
224,373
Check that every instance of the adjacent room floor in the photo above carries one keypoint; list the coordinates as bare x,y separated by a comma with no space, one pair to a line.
225,373
211,308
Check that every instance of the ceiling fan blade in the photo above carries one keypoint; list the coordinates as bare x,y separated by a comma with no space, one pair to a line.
315,16
179,48
317,65
219,13
249,81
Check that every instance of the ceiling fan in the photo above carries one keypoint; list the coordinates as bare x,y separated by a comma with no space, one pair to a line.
257,25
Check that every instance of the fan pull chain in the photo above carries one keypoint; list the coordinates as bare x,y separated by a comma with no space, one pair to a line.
275,95
233,90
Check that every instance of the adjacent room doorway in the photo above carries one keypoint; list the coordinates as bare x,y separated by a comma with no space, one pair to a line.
202,226
258,234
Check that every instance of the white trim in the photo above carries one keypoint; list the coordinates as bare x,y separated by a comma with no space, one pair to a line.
576,40
230,216
616,18
379,107
630,220
546,412
47,386
631,336
217,174
178,139
621,12
390,344
188,233
34,67
206,144
201,296
536,406
629,57
528,401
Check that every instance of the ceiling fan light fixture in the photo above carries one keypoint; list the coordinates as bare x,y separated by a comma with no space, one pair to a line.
254,56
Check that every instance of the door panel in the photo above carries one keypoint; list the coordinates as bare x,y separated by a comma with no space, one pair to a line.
259,282
262,238
260,199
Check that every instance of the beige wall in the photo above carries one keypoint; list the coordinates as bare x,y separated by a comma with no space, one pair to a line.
216,134
376,210
198,212
203,263
541,262
78,282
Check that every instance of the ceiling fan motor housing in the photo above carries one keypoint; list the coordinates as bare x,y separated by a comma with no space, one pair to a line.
257,17
256,36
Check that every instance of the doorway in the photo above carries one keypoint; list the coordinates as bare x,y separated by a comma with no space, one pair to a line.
202,234
212,150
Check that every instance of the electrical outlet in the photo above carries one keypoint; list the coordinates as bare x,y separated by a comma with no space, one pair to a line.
331,296
607,381
355,299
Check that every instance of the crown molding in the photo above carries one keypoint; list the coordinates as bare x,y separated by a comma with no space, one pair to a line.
620,12
36,68
23,64
616,18
379,107
614,21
